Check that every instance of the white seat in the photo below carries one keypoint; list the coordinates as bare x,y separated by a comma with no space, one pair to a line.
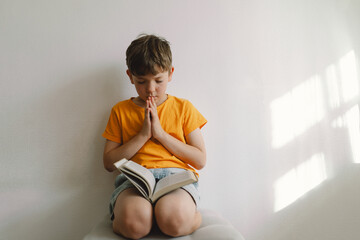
213,227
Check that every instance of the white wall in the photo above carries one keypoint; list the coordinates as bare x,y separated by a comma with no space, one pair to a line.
277,80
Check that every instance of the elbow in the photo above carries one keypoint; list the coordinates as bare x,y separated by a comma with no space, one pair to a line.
108,167
199,166
201,163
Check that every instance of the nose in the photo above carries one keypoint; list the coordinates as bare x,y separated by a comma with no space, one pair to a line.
150,88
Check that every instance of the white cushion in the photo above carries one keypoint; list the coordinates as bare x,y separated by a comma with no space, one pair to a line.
213,227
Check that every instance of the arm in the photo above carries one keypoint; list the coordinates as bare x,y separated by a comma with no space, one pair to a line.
192,152
115,151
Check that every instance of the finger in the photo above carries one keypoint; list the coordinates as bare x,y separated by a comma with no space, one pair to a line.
146,113
153,104
149,113
147,110
153,101
148,104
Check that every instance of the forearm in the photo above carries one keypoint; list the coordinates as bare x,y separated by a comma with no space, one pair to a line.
192,152
196,157
127,150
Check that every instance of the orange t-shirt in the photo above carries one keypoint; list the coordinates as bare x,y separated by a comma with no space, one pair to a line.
178,117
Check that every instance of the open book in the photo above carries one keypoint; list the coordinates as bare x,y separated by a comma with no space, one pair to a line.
145,182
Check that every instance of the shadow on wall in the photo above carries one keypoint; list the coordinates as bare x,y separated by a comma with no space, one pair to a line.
328,212
66,189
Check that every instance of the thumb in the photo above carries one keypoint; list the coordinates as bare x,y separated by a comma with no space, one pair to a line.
150,113
147,113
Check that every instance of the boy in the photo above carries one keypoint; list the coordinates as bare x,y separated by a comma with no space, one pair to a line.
160,132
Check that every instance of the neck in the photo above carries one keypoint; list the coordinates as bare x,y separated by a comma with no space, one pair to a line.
161,101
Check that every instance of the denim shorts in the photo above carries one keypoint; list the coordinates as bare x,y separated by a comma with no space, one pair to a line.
122,183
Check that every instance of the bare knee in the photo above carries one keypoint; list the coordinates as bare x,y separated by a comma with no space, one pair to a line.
133,215
172,223
176,214
132,226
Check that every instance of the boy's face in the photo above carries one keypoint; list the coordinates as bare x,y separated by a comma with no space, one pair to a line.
152,85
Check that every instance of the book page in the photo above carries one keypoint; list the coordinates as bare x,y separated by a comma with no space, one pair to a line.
173,182
137,182
142,174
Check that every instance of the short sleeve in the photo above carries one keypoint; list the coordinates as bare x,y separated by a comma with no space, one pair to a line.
193,119
113,129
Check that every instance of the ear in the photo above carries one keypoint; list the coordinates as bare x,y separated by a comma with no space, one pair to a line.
130,76
171,71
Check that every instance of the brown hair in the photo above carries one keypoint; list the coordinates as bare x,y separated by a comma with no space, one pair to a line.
147,53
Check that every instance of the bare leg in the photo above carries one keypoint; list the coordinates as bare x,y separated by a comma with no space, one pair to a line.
176,214
133,215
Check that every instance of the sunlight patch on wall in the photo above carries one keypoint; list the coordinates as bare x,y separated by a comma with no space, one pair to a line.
348,76
296,111
298,181
342,80
333,85
351,121
302,108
